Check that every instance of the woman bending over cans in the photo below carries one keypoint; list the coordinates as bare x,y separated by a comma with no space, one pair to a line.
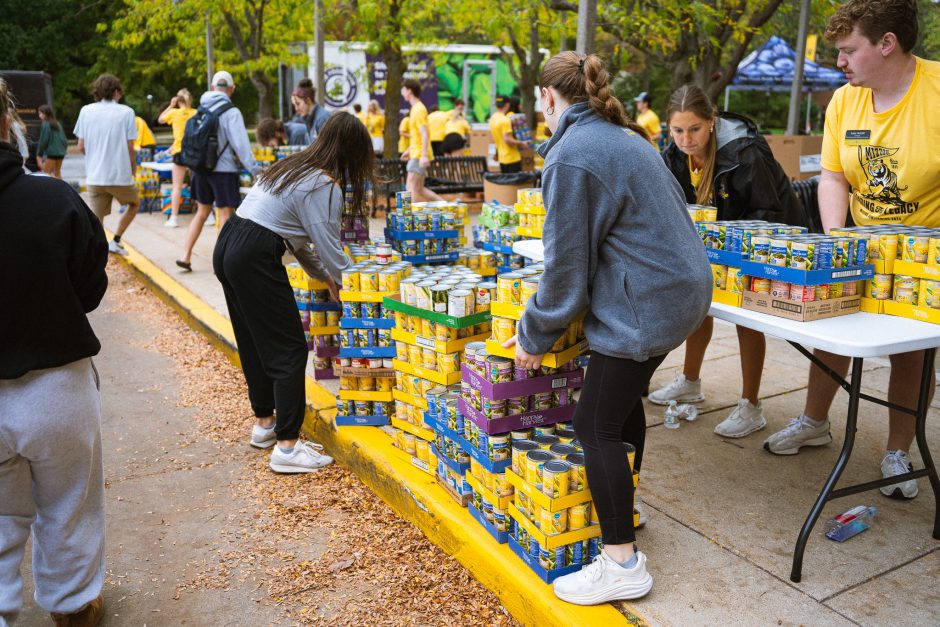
721,160
615,217
299,200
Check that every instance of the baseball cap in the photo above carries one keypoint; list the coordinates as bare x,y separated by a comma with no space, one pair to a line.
222,79
644,96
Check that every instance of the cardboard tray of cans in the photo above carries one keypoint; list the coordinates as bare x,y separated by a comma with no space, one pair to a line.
504,310
347,371
372,351
551,360
871,305
367,323
515,422
363,297
501,537
483,457
724,297
423,466
523,387
548,576
394,303
418,432
462,499
440,378
790,275
360,395
546,502
529,231
307,283
330,306
538,210
440,426
497,248
405,397
916,270
500,502
593,530
361,421
415,235
454,465
801,311
437,346
914,312
438,258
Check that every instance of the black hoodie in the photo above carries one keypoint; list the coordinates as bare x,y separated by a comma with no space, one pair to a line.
749,184
53,254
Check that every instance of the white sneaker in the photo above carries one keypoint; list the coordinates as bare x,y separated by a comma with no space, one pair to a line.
262,437
680,390
797,434
171,223
605,580
744,420
306,457
116,248
898,463
210,221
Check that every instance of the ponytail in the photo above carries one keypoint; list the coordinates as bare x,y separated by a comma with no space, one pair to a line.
584,79
692,99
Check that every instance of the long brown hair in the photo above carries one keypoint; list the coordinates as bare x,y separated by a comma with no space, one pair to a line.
583,79
691,98
342,151
46,110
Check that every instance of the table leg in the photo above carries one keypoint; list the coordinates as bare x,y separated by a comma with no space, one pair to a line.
850,427
923,405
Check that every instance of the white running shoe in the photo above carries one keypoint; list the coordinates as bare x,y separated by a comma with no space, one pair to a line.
116,248
744,420
171,223
680,390
210,221
605,580
262,437
306,457
797,434
898,463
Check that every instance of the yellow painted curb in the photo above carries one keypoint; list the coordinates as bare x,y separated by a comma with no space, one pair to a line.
413,494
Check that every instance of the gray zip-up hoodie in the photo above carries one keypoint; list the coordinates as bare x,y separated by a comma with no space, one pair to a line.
233,138
618,242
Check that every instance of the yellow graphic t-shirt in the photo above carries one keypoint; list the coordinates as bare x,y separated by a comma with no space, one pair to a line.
459,126
499,125
890,159
436,123
418,119
177,118
375,122
403,140
650,123
144,135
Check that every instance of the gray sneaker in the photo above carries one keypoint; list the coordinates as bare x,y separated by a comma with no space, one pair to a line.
116,248
744,420
261,437
797,434
680,390
897,463
306,457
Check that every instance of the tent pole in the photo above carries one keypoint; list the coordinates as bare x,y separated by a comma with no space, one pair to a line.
795,88
809,106
727,94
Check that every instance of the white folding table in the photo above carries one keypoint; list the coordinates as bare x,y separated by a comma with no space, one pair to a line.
858,336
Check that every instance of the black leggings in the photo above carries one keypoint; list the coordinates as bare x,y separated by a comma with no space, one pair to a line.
270,336
610,412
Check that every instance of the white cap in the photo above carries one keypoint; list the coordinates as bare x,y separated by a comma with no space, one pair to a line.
222,79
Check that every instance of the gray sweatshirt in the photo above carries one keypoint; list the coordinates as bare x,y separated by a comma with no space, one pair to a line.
618,242
308,212
233,138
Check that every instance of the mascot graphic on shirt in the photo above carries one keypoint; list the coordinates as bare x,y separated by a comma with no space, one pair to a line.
882,200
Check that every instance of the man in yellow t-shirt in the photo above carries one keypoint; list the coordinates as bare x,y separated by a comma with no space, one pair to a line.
419,148
507,146
437,121
647,118
145,138
456,131
404,140
360,114
880,145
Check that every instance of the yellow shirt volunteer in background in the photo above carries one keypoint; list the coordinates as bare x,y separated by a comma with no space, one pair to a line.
177,118
418,119
459,126
403,141
437,122
375,122
144,135
363,117
890,159
500,124
650,123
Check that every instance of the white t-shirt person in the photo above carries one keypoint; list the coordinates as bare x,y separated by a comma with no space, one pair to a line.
106,127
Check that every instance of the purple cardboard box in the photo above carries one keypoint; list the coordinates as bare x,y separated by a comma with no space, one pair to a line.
517,421
524,387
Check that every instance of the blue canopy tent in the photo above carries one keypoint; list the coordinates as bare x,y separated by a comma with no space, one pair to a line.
771,68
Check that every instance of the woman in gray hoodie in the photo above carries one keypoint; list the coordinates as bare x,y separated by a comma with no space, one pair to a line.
619,243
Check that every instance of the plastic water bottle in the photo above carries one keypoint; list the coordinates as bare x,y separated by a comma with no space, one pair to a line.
671,418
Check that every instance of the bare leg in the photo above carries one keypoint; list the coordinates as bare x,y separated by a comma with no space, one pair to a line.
179,173
695,346
821,389
57,165
753,347
195,229
126,219
224,214
904,390
419,192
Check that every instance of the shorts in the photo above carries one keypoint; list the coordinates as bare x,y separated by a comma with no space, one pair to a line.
414,165
510,168
437,148
219,188
101,196
453,142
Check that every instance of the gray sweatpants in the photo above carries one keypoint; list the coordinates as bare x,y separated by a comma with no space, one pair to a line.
51,479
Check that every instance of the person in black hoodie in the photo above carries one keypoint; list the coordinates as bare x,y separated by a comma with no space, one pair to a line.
53,254
721,160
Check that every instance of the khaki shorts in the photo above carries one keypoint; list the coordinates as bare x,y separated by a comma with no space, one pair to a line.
100,197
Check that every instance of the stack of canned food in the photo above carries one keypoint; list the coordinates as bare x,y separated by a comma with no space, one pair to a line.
415,218
455,291
530,212
316,312
415,447
496,216
499,241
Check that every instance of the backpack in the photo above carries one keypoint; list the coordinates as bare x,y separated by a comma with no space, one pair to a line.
200,148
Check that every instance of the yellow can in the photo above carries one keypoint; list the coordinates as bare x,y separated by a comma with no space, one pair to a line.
421,450
444,333
409,444
503,329
448,362
933,252
367,384
915,248
836,290
555,479
695,212
383,384
822,291
428,358
350,280
528,288
709,214
427,328
501,487
507,288
907,283
888,246
720,275
553,523
879,287
579,516
414,355
760,286
348,383
486,478
735,280
368,280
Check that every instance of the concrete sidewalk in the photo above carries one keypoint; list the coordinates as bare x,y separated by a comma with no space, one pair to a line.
724,514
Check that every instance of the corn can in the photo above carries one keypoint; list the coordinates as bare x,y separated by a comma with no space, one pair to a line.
719,276
556,479
879,286
915,248
760,285
579,516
